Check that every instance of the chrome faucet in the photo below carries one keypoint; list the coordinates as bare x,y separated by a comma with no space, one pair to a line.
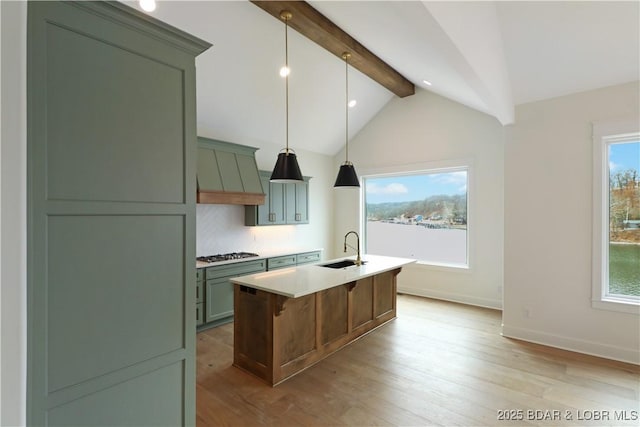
358,259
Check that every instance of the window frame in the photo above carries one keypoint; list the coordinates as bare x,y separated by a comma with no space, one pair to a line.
427,168
604,134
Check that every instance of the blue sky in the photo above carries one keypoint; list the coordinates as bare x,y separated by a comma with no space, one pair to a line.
624,156
414,187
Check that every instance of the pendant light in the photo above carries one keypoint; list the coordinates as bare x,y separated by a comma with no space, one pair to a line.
286,168
347,176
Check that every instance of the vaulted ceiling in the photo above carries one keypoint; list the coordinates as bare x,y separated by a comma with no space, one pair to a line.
489,56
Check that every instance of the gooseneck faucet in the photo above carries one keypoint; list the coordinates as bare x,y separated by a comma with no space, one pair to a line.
358,259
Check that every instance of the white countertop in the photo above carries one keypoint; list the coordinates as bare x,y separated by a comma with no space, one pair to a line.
303,280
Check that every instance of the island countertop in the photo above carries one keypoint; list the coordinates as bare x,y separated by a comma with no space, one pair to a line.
303,280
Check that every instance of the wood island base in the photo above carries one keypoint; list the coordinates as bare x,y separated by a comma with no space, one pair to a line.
275,337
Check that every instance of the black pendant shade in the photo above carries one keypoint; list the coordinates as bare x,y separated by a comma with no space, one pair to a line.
286,168
347,176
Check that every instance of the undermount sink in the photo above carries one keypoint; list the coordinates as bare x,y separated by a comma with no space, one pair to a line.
341,264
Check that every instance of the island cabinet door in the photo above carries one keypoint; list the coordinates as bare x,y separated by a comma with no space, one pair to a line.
334,314
253,332
384,294
362,303
294,335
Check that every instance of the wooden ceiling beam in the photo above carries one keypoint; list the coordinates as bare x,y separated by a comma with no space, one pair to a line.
316,27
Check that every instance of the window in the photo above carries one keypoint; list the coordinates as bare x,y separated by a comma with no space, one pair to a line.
616,278
421,215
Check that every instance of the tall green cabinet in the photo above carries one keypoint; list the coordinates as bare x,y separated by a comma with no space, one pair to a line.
111,217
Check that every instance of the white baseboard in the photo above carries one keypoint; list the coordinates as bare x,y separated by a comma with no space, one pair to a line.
629,355
464,299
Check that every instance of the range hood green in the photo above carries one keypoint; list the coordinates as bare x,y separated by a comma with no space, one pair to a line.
228,174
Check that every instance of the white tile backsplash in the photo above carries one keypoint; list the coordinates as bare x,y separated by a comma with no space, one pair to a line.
221,229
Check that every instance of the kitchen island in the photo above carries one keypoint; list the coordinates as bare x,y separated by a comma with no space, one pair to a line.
287,320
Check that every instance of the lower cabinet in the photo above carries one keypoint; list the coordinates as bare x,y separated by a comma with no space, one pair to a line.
281,262
307,258
214,291
199,296
219,300
216,306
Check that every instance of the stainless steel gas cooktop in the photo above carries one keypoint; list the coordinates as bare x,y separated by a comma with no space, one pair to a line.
226,257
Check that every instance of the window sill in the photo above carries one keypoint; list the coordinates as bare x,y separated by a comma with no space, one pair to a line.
617,304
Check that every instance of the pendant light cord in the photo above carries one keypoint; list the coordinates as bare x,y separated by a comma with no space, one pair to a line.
346,105
286,79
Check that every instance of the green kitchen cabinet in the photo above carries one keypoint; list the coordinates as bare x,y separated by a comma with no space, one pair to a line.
307,258
111,214
199,314
214,291
272,212
291,260
199,297
219,299
284,203
217,306
284,261
297,202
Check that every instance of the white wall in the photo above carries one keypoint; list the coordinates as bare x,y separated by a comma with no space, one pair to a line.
13,214
220,228
548,213
429,129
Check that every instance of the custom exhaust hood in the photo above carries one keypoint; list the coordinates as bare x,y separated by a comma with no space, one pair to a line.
228,174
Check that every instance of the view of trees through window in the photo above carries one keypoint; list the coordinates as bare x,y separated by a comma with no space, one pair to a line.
624,218
419,215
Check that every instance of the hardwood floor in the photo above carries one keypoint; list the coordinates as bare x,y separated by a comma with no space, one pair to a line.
438,363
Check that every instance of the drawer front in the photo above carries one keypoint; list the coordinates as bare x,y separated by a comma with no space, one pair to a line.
199,291
308,257
236,269
199,274
199,314
281,262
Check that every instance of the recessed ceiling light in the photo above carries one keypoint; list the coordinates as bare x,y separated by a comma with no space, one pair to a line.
427,82
285,71
352,103
148,5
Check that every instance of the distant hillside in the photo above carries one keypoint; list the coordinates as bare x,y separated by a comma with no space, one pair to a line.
446,207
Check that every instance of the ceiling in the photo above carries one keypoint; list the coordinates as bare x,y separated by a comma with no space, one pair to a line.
489,56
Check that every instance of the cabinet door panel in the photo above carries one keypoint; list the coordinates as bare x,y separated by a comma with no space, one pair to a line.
277,206
199,289
219,299
362,297
265,209
297,203
290,202
302,203
199,314
111,219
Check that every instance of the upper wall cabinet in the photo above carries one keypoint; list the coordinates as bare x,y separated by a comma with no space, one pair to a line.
228,174
284,204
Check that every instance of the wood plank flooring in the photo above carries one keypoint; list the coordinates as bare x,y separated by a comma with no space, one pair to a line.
438,363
